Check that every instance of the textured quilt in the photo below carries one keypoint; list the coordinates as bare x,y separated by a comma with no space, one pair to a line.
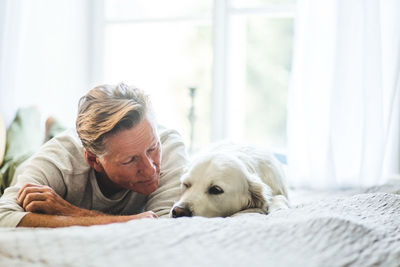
352,229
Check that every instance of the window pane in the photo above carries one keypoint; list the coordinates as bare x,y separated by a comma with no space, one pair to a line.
259,3
165,59
147,9
264,46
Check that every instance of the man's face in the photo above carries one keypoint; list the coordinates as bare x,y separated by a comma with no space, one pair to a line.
132,158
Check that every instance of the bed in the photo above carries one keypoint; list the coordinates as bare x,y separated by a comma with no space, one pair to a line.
337,228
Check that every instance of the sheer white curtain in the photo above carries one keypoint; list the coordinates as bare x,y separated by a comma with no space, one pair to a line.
44,56
10,25
343,125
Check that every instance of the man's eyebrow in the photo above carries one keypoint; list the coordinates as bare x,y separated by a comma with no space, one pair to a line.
128,156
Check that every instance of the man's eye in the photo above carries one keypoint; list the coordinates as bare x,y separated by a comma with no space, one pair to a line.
133,159
152,149
215,190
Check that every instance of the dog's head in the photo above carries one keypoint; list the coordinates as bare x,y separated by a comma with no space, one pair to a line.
219,185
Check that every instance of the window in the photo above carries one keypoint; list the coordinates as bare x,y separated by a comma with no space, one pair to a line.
236,54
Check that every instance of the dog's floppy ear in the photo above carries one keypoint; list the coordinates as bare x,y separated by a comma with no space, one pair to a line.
260,194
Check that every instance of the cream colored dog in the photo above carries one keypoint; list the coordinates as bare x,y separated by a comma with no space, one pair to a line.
231,179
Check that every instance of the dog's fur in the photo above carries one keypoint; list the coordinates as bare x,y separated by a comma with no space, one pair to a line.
229,179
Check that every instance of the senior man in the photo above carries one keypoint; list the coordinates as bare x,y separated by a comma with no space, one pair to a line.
117,166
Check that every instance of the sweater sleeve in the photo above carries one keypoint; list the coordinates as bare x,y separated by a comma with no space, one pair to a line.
10,212
40,169
34,172
173,164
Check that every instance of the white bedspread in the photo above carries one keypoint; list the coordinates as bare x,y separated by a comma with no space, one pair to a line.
347,230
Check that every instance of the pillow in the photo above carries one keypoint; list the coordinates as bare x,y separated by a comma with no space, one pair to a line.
2,139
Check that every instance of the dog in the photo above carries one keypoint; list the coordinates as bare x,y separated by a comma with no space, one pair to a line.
231,179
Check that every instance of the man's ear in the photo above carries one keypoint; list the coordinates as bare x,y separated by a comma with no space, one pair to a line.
260,195
93,161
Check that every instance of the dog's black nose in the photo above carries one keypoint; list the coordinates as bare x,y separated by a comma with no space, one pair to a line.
181,212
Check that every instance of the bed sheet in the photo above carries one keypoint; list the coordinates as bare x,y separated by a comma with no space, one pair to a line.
351,228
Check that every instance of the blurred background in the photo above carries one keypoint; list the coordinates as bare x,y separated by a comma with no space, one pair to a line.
316,81
236,54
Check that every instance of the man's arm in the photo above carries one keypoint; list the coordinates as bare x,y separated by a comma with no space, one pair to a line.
45,220
47,209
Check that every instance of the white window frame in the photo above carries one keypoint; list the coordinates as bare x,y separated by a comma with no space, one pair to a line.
221,127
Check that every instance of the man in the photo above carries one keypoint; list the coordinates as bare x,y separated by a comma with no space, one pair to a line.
119,167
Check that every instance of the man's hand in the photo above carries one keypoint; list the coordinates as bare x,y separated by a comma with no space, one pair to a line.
43,199
147,214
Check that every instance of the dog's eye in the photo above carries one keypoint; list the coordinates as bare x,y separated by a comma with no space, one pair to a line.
215,190
186,185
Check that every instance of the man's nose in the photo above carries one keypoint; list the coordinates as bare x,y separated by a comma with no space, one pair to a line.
147,168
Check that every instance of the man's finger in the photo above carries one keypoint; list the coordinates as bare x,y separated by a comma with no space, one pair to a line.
33,196
27,189
36,206
151,214
21,190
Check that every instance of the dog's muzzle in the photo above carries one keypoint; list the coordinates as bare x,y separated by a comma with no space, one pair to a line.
178,211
